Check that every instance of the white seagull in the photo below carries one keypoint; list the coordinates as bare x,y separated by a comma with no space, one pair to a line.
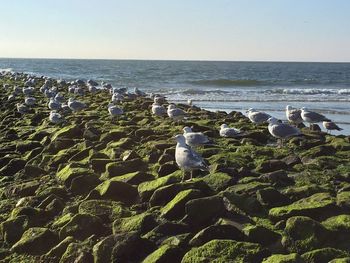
282,130
53,104
30,101
186,158
311,116
175,113
158,110
257,116
330,126
114,110
194,138
227,132
76,105
55,117
293,115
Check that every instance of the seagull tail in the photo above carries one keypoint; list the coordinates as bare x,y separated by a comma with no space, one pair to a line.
204,167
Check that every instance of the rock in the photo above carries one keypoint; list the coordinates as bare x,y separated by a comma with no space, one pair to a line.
102,251
146,189
81,226
166,229
291,160
115,190
12,167
289,258
26,146
302,234
164,254
11,230
107,210
218,181
279,178
343,200
71,132
166,158
261,235
205,210
121,168
36,241
127,244
316,206
216,232
245,203
340,224
167,168
164,194
323,255
141,223
271,197
271,166
57,251
76,253
226,251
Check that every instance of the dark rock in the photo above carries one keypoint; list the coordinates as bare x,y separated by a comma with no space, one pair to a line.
271,166
261,235
167,168
271,197
12,167
279,178
36,241
216,232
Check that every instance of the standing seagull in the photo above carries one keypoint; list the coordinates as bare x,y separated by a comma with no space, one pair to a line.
257,116
329,126
194,138
22,108
226,131
114,110
55,117
186,158
282,130
30,101
158,110
175,113
53,104
293,115
76,105
311,116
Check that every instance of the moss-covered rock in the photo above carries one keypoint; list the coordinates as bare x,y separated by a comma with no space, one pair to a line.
261,235
175,209
323,255
12,229
218,181
102,251
225,251
315,206
76,251
280,258
165,253
141,223
302,234
36,241
81,226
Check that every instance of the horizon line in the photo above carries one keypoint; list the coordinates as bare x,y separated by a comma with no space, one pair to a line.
179,60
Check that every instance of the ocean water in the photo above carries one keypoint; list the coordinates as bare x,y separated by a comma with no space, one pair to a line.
266,86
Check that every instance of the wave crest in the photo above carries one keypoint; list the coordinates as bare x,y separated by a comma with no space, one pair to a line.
227,82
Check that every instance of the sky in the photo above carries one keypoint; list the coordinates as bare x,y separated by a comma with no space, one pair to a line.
234,30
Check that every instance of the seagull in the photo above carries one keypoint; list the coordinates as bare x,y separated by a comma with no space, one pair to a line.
29,101
92,89
311,116
43,88
186,158
76,105
175,113
158,110
226,131
139,92
257,116
28,91
117,97
71,88
189,102
159,99
79,91
114,110
55,117
281,130
59,97
22,108
293,115
17,90
11,97
194,138
329,126
53,104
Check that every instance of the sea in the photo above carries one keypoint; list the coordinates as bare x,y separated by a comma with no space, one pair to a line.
216,85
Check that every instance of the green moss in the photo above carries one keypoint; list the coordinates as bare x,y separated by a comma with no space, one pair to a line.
323,255
147,188
141,223
338,223
343,199
62,220
217,181
165,253
289,258
314,206
175,209
225,251
248,188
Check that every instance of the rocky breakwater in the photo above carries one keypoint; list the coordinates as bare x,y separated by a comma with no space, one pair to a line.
90,189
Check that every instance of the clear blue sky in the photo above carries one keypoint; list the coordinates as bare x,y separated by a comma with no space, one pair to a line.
274,30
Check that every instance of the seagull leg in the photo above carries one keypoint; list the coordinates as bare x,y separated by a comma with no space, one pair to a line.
183,176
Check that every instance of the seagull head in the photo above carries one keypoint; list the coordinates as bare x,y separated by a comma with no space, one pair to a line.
180,139
272,120
250,110
304,109
288,107
171,107
187,129
224,126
